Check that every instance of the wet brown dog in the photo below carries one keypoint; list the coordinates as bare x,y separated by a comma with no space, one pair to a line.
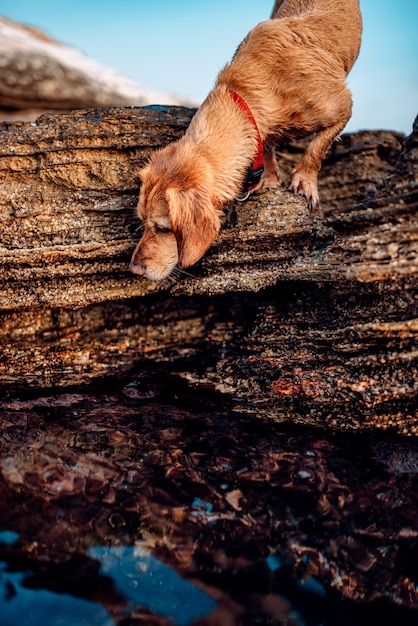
286,81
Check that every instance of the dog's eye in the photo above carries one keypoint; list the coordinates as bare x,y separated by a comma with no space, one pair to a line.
162,229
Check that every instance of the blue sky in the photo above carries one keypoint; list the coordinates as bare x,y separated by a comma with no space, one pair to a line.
178,46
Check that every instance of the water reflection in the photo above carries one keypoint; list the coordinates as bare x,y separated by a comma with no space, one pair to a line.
141,579
145,581
19,604
169,508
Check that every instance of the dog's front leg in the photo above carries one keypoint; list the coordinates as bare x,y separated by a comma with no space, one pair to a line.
271,175
305,174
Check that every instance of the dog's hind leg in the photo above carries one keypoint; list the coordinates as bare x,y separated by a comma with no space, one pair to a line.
305,174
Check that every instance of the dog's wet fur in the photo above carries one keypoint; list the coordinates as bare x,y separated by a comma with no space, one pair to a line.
291,71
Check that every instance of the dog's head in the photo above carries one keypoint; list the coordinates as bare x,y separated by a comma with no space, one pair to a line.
180,215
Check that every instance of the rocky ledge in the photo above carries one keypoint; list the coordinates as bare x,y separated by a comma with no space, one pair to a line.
290,315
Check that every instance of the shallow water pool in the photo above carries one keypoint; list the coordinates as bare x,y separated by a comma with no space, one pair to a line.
141,502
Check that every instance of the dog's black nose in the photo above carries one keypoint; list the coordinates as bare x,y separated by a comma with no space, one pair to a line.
137,268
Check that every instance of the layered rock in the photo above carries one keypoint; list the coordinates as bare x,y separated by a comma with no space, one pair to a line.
290,315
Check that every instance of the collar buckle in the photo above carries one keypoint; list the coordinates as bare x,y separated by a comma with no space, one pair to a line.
253,177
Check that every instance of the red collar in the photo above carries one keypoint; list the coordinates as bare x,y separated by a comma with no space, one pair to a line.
256,169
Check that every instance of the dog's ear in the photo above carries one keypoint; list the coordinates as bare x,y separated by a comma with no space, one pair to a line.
195,223
142,174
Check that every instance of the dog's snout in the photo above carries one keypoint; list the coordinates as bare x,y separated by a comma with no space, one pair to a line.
137,268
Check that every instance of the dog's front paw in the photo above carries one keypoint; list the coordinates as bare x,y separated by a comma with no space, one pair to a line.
306,185
269,180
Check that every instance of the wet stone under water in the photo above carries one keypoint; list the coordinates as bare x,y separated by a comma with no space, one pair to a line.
141,501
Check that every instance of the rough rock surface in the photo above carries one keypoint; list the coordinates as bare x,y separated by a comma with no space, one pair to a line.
293,316
38,73
67,214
